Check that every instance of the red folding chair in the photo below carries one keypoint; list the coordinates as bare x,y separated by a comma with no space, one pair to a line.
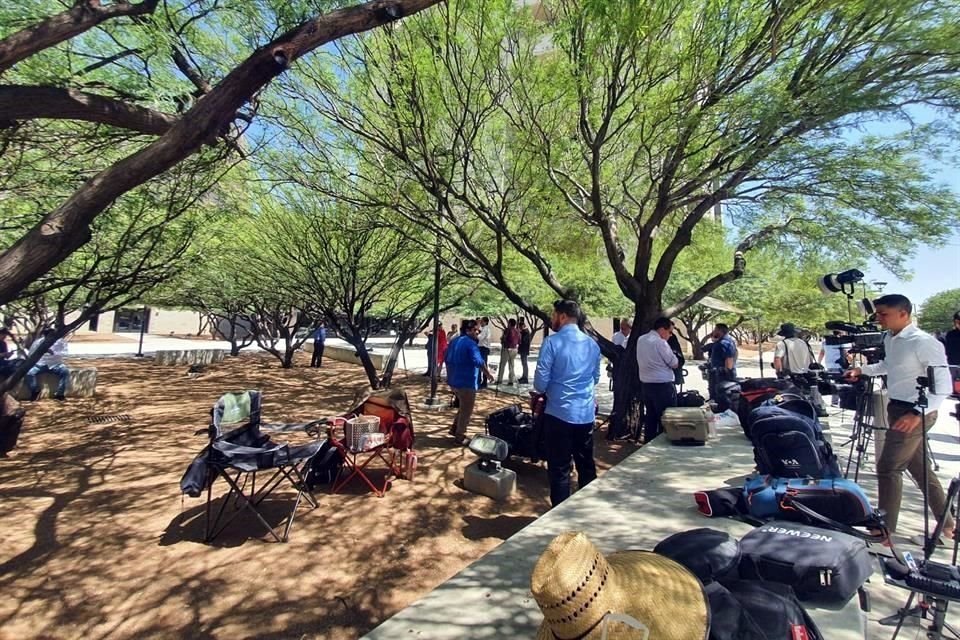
361,443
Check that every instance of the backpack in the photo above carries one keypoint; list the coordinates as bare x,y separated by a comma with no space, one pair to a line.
325,466
788,444
752,610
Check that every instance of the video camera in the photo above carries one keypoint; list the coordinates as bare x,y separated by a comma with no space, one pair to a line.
865,339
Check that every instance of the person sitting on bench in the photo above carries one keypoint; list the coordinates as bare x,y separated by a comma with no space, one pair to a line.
52,362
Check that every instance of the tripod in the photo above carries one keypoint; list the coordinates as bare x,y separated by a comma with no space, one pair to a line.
936,583
862,432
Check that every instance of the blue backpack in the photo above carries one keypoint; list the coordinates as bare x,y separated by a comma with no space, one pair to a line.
788,442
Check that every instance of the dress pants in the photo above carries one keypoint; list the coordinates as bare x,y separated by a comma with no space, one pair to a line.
524,366
905,452
566,442
481,380
466,399
657,397
317,359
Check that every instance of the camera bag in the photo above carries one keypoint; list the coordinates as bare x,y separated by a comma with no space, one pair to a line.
520,430
750,610
821,565
708,554
787,444
830,499
691,398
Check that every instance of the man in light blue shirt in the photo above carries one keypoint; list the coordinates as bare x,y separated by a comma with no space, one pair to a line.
656,362
568,369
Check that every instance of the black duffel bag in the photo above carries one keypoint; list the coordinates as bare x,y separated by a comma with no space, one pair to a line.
522,433
820,564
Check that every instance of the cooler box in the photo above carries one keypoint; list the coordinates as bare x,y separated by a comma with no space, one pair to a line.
686,425
497,484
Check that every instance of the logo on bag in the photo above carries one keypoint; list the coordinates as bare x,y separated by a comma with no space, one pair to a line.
797,533
799,632
790,463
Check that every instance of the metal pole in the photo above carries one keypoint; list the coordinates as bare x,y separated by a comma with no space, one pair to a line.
760,339
143,327
434,366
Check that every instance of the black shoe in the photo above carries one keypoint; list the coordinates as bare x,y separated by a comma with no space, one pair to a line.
34,396
523,381
59,397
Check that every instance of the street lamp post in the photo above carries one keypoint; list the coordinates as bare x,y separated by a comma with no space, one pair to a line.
143,327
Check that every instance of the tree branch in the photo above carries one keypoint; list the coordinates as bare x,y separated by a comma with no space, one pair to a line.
67,227
21,102
82,16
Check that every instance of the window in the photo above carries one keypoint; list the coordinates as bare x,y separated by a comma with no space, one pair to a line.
131,320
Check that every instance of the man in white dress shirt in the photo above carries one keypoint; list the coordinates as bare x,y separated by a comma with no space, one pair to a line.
620,338
656,362
908,353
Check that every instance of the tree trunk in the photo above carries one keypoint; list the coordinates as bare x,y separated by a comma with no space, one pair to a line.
627,414
373,377
387,379
696,348
287,361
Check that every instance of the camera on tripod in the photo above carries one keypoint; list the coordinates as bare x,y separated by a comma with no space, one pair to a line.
865,339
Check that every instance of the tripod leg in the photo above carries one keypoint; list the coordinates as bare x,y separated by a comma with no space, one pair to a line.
901,615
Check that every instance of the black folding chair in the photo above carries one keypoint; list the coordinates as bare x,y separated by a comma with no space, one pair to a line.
240,454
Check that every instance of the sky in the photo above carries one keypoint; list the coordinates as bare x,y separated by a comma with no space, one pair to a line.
933,268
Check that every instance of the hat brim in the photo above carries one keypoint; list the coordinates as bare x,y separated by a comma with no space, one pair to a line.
662,594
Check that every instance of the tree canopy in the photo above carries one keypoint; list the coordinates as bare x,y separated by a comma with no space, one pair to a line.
936,313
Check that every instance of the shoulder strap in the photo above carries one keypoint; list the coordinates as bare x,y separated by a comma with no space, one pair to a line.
791,501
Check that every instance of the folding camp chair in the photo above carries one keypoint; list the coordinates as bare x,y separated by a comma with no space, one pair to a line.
395,422
240,454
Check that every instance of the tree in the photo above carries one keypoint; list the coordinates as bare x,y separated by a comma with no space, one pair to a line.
66,227
936,313
356,273
140,245
629,123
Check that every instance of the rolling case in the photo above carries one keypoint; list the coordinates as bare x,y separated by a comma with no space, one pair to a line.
686,425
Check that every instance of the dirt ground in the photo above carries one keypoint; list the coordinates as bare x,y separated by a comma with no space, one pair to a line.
99,543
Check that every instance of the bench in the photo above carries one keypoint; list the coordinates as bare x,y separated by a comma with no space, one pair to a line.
189,356
348,354
82,384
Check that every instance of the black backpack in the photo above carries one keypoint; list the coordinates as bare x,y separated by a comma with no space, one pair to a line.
739,610
750,610
325,466
790,444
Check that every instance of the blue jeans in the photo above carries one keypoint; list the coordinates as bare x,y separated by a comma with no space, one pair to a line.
58,370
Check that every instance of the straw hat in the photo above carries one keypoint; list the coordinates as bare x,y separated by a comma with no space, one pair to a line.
576,586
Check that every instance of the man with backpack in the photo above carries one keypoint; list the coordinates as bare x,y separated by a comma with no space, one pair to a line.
793,354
